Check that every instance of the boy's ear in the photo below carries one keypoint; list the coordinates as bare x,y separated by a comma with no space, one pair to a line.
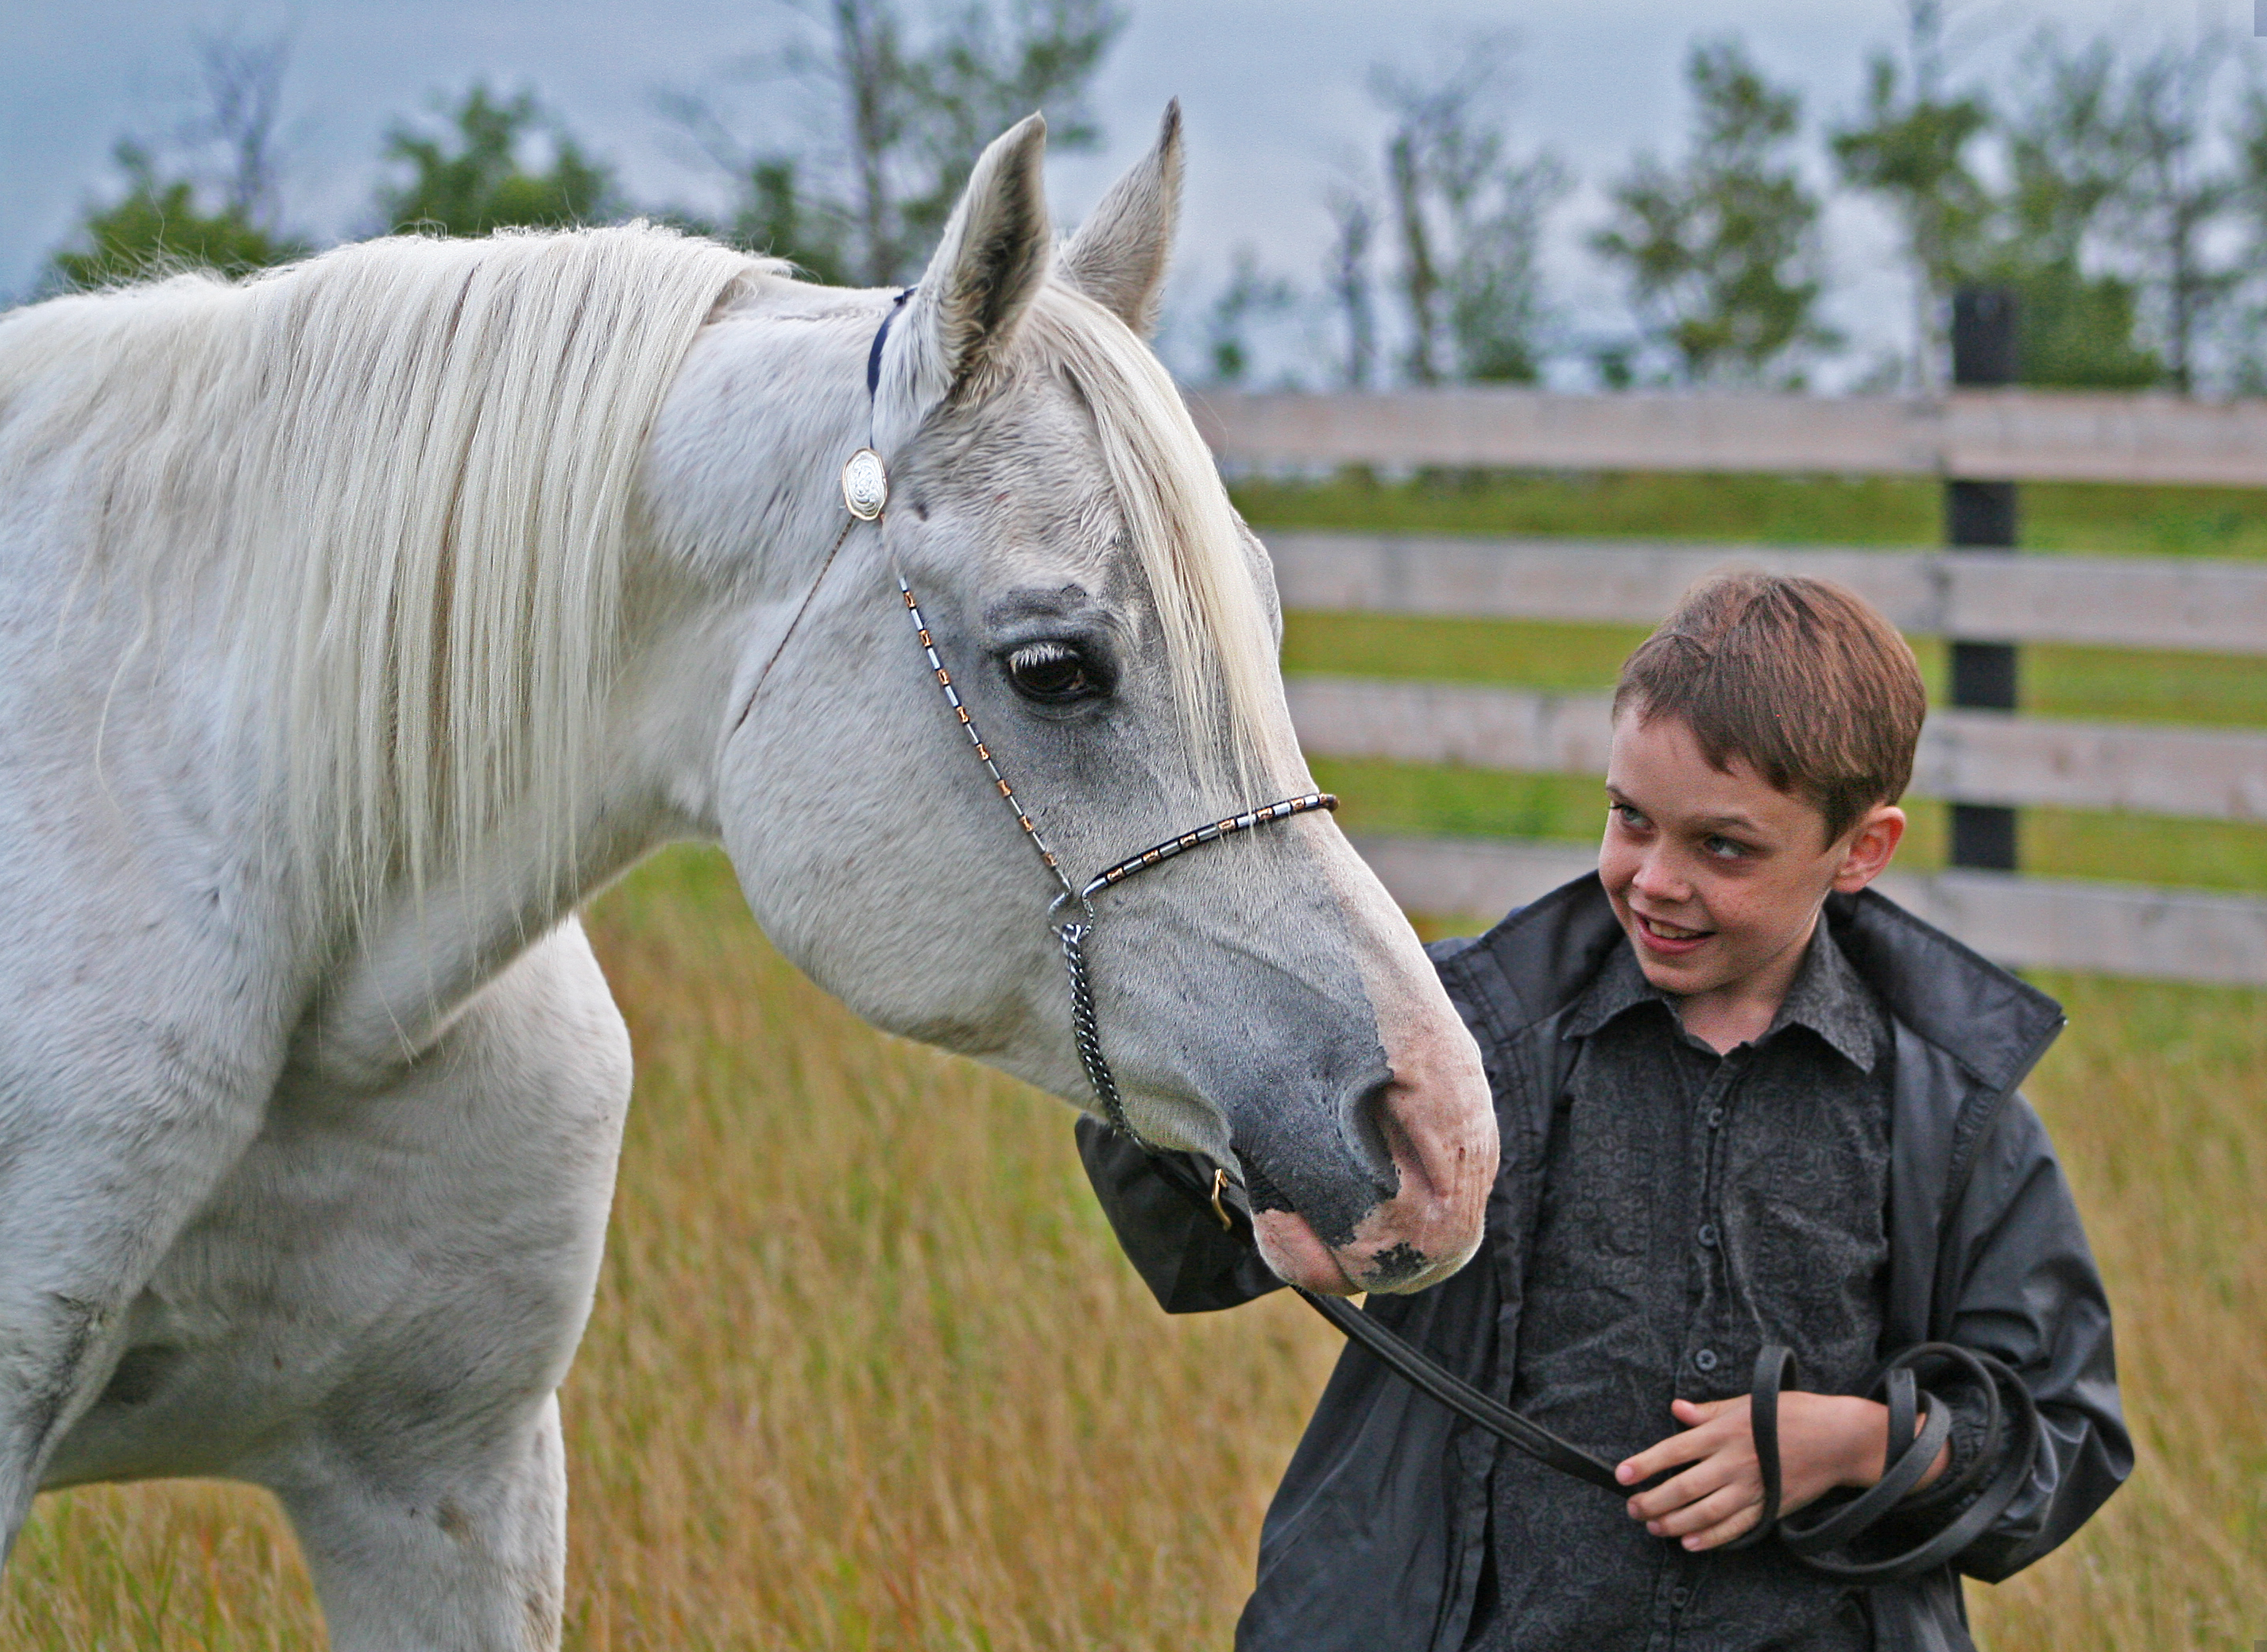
1866,851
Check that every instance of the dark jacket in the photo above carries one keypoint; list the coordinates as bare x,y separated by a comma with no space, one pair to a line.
1375,1536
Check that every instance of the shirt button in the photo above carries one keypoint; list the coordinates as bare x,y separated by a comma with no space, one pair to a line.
1706,1359
1708,1233
1715,1117
1678,1596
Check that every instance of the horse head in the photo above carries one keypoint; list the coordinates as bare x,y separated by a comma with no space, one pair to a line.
1110,626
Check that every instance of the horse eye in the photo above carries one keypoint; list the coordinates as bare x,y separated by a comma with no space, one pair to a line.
1052,673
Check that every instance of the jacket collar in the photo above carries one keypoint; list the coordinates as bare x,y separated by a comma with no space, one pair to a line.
1546,954
1826,996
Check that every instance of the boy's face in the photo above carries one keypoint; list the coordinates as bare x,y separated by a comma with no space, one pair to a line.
1718,878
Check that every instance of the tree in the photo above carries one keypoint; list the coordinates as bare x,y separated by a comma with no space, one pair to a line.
983,75
482,185
161,223
861,189
1721,251
1911,148
1347,280
157,226
1250,295
1468,213
242,82
2072,151
2180,198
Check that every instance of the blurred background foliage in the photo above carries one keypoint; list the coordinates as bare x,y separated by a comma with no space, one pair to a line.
2118,184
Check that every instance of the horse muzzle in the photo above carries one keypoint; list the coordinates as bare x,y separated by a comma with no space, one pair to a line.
1394,1197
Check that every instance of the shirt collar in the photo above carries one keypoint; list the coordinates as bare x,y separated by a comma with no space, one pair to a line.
1826,996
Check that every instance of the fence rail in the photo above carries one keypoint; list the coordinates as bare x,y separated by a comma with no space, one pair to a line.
2118,602
2007,435
1975,759
1964,757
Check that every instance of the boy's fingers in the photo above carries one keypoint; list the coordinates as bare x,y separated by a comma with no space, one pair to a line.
1694,1483
1724,1531
1726,1422
1720,1507
1696,1411
1687,1447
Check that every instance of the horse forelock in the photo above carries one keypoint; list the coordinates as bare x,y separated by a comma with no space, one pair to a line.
1219,642
407,465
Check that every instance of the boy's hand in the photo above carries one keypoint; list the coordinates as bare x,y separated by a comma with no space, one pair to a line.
1824,1441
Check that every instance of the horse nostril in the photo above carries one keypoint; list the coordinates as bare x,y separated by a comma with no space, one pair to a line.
1362,1120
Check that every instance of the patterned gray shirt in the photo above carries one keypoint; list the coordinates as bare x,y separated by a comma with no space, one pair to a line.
1697,1206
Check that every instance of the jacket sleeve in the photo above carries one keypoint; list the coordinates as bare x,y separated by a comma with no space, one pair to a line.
1189,1262
2029,1293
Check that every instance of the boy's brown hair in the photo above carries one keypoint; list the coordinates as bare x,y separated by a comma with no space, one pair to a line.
1801,678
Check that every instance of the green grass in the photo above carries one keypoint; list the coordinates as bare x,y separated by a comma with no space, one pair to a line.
2100,519
2116,684
867,1371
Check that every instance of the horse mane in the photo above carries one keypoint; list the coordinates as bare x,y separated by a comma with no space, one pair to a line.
408,466
1219,642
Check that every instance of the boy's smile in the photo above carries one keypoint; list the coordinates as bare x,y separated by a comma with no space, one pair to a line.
1718,876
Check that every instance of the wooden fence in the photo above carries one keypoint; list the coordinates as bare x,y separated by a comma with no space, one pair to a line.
1997,434
1966,756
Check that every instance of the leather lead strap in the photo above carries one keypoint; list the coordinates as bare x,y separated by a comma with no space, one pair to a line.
1420,1372
1774,1371
1819,1543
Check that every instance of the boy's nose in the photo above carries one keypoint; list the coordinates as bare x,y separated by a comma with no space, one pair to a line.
1658,880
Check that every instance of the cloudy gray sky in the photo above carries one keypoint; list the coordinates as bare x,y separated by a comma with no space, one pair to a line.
1275,92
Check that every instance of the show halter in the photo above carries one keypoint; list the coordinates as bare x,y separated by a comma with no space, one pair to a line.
866,495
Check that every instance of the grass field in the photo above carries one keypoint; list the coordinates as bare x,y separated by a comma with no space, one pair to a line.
867,1371
2101,519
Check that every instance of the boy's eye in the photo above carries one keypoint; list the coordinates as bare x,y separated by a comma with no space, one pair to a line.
1724,849
1628,815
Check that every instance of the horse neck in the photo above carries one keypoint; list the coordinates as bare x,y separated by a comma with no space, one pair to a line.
699,623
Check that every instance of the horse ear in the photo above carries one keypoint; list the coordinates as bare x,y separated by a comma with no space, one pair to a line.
992,257
1118,256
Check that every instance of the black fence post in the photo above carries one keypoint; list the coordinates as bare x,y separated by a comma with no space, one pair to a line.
1980,516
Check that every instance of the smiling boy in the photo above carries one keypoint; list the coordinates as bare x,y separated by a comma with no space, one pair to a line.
1744,1101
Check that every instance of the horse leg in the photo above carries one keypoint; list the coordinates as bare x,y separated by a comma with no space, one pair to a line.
453,1226
100,1168
469,1555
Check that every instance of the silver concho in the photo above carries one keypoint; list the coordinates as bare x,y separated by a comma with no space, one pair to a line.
865,484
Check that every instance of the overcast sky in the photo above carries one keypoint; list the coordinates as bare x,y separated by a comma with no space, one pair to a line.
1274,92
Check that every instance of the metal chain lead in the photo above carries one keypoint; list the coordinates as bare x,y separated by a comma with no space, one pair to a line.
1086,1031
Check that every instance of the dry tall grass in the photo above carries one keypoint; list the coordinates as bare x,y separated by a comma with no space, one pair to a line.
866,1372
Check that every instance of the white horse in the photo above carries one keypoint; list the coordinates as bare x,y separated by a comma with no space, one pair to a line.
358,621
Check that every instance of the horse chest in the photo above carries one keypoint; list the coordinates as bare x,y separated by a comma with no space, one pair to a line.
423,1249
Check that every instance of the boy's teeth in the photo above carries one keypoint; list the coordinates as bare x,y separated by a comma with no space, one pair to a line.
1670,931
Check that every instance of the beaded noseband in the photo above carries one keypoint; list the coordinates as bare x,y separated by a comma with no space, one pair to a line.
865,493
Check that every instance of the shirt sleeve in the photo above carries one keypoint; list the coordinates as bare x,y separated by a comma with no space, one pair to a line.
2029,1294
1189,1262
